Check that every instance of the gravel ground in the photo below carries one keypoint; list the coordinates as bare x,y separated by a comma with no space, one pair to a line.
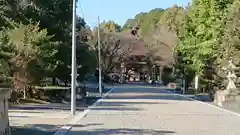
151,111
42,119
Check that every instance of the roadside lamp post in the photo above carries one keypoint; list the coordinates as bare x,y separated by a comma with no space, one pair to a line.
99,60
74,67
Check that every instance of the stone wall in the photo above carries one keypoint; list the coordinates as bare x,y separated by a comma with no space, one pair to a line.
4,120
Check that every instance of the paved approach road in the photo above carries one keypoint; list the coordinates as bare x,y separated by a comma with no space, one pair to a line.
152,111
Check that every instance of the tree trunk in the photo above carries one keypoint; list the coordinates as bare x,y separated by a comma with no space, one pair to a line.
196,82
20,89
24,93
54,80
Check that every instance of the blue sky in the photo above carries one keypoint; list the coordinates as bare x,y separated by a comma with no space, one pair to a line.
120,10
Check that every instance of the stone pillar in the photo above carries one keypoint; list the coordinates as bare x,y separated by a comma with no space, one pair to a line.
4,120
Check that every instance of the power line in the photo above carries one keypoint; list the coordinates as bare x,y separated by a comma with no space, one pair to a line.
81,9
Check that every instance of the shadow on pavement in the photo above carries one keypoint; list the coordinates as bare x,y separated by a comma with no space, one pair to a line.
51,129
81,106
19,111
150,96
42,129
153,93
106,105
34,130
16,116
128,99
64,108
141,90
87,125
116,109
124,103
121,106
121,131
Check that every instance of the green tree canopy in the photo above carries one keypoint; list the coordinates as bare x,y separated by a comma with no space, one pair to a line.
28,51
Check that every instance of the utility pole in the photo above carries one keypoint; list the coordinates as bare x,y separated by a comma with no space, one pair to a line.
74,67
99,61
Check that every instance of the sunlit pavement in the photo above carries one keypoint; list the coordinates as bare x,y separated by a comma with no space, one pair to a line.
151,111
44,119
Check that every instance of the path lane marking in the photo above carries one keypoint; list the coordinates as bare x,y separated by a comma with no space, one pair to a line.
64,129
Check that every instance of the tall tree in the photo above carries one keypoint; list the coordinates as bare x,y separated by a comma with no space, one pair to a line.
147,21
229,47
201,41
202,31
114,48
156,34
28,52
53,15
110,26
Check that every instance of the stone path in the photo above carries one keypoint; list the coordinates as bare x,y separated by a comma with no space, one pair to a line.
151,111
39,119
44,119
